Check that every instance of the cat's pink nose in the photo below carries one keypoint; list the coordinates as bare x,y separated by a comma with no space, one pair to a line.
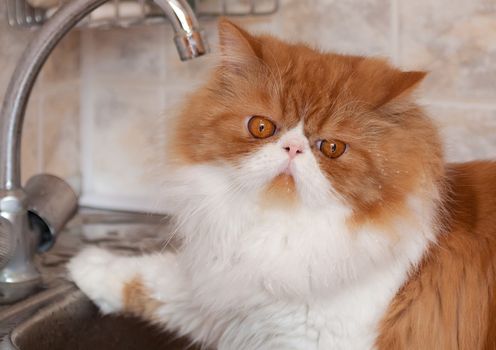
293,149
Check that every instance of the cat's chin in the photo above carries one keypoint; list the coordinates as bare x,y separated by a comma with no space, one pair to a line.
281,192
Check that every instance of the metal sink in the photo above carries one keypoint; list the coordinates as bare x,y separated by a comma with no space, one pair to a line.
69,320
59,316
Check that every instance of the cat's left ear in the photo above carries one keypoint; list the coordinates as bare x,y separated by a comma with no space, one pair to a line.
237,47
380,84
401,85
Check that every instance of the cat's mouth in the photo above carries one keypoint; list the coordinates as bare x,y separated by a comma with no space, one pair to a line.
281,190
285,180
287,170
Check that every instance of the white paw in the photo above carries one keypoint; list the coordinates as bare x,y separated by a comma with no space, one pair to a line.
95,271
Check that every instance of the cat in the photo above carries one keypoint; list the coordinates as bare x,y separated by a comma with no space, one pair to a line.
315,211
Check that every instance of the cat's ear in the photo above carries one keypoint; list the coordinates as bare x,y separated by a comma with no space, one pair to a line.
237,47
402,84
380,84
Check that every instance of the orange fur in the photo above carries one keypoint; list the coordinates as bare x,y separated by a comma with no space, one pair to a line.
449,301
137,300
281,192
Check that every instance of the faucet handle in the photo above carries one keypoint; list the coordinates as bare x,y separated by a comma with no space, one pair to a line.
51,204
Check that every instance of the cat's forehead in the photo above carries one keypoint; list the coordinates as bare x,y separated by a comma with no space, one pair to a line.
308,84
314,90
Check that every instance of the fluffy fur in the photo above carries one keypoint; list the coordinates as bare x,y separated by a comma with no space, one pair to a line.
384,247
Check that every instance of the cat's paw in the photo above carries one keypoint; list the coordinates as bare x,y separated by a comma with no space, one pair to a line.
95,271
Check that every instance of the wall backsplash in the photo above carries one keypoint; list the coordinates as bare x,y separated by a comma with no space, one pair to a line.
97,110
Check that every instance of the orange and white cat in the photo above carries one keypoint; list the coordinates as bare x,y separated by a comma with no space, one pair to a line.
315,212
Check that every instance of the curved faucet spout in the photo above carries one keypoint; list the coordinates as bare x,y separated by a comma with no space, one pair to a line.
189,38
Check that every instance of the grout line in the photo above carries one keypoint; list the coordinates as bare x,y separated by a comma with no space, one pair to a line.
461,105
40,137
394,18
126,81
163,70
86,111
54,88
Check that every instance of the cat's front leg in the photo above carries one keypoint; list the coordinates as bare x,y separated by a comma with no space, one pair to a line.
137,285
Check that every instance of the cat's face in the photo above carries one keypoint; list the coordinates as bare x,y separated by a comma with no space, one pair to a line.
301,127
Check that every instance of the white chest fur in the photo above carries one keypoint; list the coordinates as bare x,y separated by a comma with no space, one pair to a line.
289,279
346,320
297,280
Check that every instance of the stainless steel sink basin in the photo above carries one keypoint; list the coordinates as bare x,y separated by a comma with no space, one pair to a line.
70,321
60,317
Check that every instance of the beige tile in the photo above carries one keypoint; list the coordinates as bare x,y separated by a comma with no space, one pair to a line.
12,44
124,143
456,42
133,53
468,134
352,26
63,64
30,152
60,138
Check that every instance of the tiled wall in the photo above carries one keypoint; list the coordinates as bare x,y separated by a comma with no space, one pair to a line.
127,83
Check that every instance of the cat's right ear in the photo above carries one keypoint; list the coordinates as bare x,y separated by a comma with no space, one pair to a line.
237,47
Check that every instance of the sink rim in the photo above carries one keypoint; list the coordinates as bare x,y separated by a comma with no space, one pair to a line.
25,312
65,297
35,331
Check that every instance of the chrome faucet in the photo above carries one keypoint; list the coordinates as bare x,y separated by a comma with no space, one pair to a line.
32,216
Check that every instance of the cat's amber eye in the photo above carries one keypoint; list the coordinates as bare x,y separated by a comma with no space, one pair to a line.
261,127
332,148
